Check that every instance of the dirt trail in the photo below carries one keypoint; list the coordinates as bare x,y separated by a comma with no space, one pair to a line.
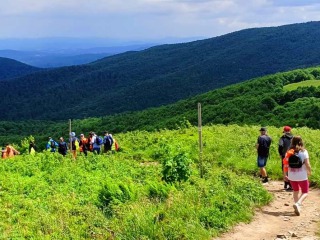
278,221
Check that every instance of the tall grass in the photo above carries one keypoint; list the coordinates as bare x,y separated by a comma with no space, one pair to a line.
123,196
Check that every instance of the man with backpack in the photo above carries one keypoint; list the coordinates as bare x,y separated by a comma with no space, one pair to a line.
51,145
284,145
96,142
263,147
107,142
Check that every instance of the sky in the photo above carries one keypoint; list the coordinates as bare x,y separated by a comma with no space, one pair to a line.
147,19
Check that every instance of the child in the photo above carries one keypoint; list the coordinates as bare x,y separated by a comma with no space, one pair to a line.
298,177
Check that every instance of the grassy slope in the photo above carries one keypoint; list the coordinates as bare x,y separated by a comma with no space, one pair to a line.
307,83
50,196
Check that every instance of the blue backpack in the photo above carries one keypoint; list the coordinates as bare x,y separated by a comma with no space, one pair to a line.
99,140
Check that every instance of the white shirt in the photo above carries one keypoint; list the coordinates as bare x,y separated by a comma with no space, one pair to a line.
299,174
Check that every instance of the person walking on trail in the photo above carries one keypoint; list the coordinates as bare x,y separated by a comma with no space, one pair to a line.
74,144
107,142
90,142
83,144
283,147
32,147
263,147
51,145
9,151
62,147
96,143
297,168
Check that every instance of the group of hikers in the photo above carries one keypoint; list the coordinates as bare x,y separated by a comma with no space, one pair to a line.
92,143
295,163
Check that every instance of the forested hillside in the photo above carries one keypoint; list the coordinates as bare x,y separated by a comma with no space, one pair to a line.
11,68
161,75
261,101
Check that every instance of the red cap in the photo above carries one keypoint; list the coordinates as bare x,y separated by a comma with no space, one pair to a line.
287,129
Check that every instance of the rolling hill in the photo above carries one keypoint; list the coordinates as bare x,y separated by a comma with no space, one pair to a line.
159,75
11,68
261,101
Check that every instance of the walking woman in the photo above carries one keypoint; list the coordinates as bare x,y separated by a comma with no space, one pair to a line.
297,173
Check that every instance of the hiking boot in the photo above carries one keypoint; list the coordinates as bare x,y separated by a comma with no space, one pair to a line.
289,189
265,180
296,208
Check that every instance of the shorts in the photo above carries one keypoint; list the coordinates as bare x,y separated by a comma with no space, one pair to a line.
304,185
262,161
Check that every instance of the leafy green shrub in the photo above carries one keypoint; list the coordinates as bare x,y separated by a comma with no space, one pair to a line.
176,169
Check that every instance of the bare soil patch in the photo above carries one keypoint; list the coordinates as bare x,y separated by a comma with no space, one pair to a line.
278,220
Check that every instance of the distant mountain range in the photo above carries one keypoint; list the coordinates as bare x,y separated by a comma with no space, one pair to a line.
67,57
159,75
60,52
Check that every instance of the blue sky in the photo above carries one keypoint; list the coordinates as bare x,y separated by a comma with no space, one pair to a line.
147,19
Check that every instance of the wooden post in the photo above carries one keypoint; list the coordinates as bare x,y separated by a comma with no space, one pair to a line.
200,139
70,135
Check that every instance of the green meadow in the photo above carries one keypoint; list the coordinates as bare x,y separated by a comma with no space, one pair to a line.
307,83
151,189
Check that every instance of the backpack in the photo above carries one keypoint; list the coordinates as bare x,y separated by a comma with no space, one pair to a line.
53,144
295,161
111,140
108,140
75,143
99,140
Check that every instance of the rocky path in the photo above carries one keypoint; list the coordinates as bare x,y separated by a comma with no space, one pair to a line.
278,221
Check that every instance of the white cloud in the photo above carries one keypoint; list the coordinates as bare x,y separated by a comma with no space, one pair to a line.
145,19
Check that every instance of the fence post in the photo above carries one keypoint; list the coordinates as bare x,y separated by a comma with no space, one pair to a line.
200,139
70,135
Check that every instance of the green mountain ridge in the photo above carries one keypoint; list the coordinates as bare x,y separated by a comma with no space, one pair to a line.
10,68
160,75
261,101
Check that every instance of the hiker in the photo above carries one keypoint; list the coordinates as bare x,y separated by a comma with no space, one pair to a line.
297,174
283,147
62,147
32,148
51,145
90,143
96,142
263,147
107,141
74,141
83,145
9,151
116,144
